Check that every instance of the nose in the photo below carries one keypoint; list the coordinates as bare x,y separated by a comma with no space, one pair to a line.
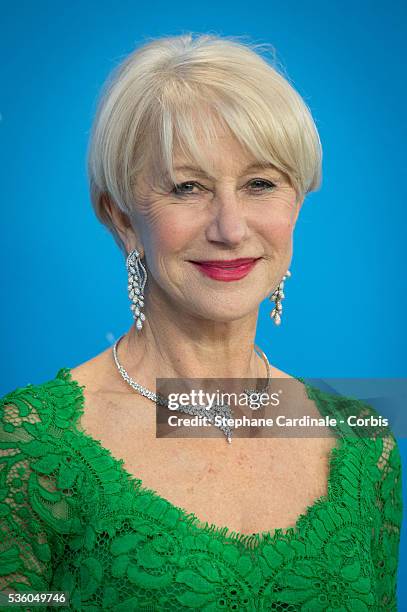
228,224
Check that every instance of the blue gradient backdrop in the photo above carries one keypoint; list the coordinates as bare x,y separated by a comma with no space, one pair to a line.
64,282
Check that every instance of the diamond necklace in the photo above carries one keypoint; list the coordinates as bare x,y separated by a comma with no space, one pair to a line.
222,410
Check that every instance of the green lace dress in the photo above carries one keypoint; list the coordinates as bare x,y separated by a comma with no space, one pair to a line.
72,519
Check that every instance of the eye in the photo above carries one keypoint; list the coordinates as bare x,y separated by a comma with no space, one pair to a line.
178,189
186,187
269,186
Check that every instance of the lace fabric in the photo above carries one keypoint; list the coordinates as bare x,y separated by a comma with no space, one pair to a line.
72,519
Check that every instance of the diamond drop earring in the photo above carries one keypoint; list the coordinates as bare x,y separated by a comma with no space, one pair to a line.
277,296
137,277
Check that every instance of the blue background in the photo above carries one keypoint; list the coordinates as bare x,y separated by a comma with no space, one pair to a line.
64,282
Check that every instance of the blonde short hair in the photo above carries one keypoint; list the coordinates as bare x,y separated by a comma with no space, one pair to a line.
159,97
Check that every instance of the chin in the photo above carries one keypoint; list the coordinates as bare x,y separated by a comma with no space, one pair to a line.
226,311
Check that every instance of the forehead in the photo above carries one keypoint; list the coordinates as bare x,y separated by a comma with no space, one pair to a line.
203,143
218,153
246,168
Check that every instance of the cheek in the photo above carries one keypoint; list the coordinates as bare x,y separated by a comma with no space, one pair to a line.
277,226
169,232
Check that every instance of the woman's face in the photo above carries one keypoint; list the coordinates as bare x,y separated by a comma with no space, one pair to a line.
240,212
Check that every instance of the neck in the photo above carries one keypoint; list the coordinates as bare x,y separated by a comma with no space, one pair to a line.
187,346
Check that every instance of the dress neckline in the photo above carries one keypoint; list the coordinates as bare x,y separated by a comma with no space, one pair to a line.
224,534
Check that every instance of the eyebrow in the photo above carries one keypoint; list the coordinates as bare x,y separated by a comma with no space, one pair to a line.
203,173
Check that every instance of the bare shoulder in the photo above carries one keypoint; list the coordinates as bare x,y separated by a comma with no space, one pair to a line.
276,373
295,391
95,373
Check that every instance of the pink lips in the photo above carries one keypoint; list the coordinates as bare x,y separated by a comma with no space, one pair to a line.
226,270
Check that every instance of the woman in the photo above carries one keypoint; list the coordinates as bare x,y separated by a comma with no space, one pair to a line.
200,157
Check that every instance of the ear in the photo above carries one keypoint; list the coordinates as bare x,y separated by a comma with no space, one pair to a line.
122,224
299,206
